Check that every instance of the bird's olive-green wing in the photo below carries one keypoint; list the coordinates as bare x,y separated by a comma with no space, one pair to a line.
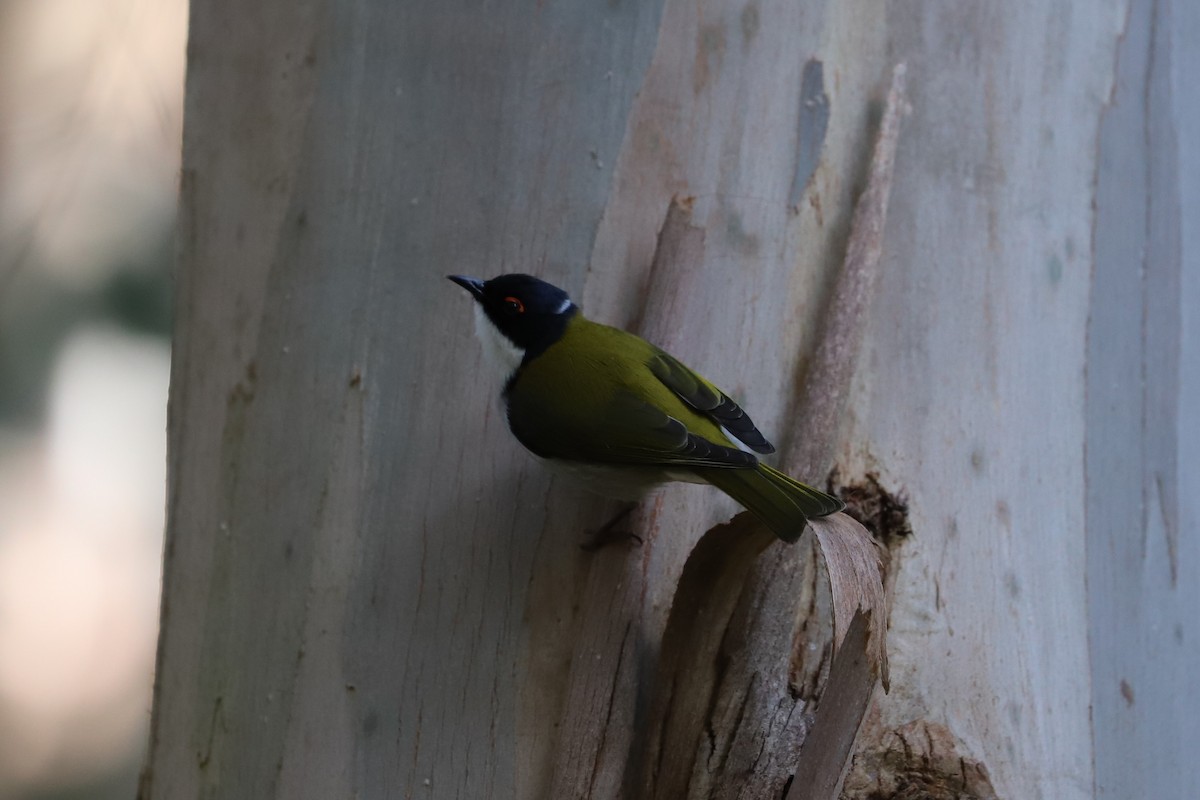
708,400
622,430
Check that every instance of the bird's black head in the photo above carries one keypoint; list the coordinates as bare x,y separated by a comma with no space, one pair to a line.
529,313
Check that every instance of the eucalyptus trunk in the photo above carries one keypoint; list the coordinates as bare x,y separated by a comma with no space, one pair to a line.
372,591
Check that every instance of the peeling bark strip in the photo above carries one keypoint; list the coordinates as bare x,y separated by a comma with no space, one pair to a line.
824,403
824,754
721,684
855,580
679,248
854,570
691,666
672,756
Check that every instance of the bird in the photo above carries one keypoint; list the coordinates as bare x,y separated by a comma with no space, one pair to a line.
621,414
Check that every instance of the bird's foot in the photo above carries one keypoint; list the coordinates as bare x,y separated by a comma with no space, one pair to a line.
612,532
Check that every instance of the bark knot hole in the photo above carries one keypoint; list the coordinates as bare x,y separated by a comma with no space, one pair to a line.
884,513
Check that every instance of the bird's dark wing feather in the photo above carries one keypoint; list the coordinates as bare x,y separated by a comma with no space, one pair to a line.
708,400
627,431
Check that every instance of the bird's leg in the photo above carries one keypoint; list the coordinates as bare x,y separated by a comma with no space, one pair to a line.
612,531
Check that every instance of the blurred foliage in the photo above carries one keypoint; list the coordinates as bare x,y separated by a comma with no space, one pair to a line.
37,313
140,299
90,129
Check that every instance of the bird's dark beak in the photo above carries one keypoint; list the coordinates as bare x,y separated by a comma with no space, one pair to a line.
472,285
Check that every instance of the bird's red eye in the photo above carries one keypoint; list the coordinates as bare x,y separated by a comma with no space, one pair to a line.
514,304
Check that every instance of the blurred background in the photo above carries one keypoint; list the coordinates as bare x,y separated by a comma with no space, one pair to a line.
91,95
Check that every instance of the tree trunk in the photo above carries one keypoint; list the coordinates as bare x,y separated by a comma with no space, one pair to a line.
371,590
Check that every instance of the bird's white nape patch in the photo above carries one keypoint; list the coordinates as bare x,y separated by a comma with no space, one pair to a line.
498,349
562,309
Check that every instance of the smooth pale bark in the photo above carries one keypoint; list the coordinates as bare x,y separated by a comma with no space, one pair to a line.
371,590
1143,404
1026,385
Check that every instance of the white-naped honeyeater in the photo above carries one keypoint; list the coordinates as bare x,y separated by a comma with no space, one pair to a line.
619,412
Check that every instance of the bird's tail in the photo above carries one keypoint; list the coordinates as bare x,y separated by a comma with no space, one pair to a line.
783,504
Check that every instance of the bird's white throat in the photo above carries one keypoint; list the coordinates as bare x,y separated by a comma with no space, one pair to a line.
498,349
